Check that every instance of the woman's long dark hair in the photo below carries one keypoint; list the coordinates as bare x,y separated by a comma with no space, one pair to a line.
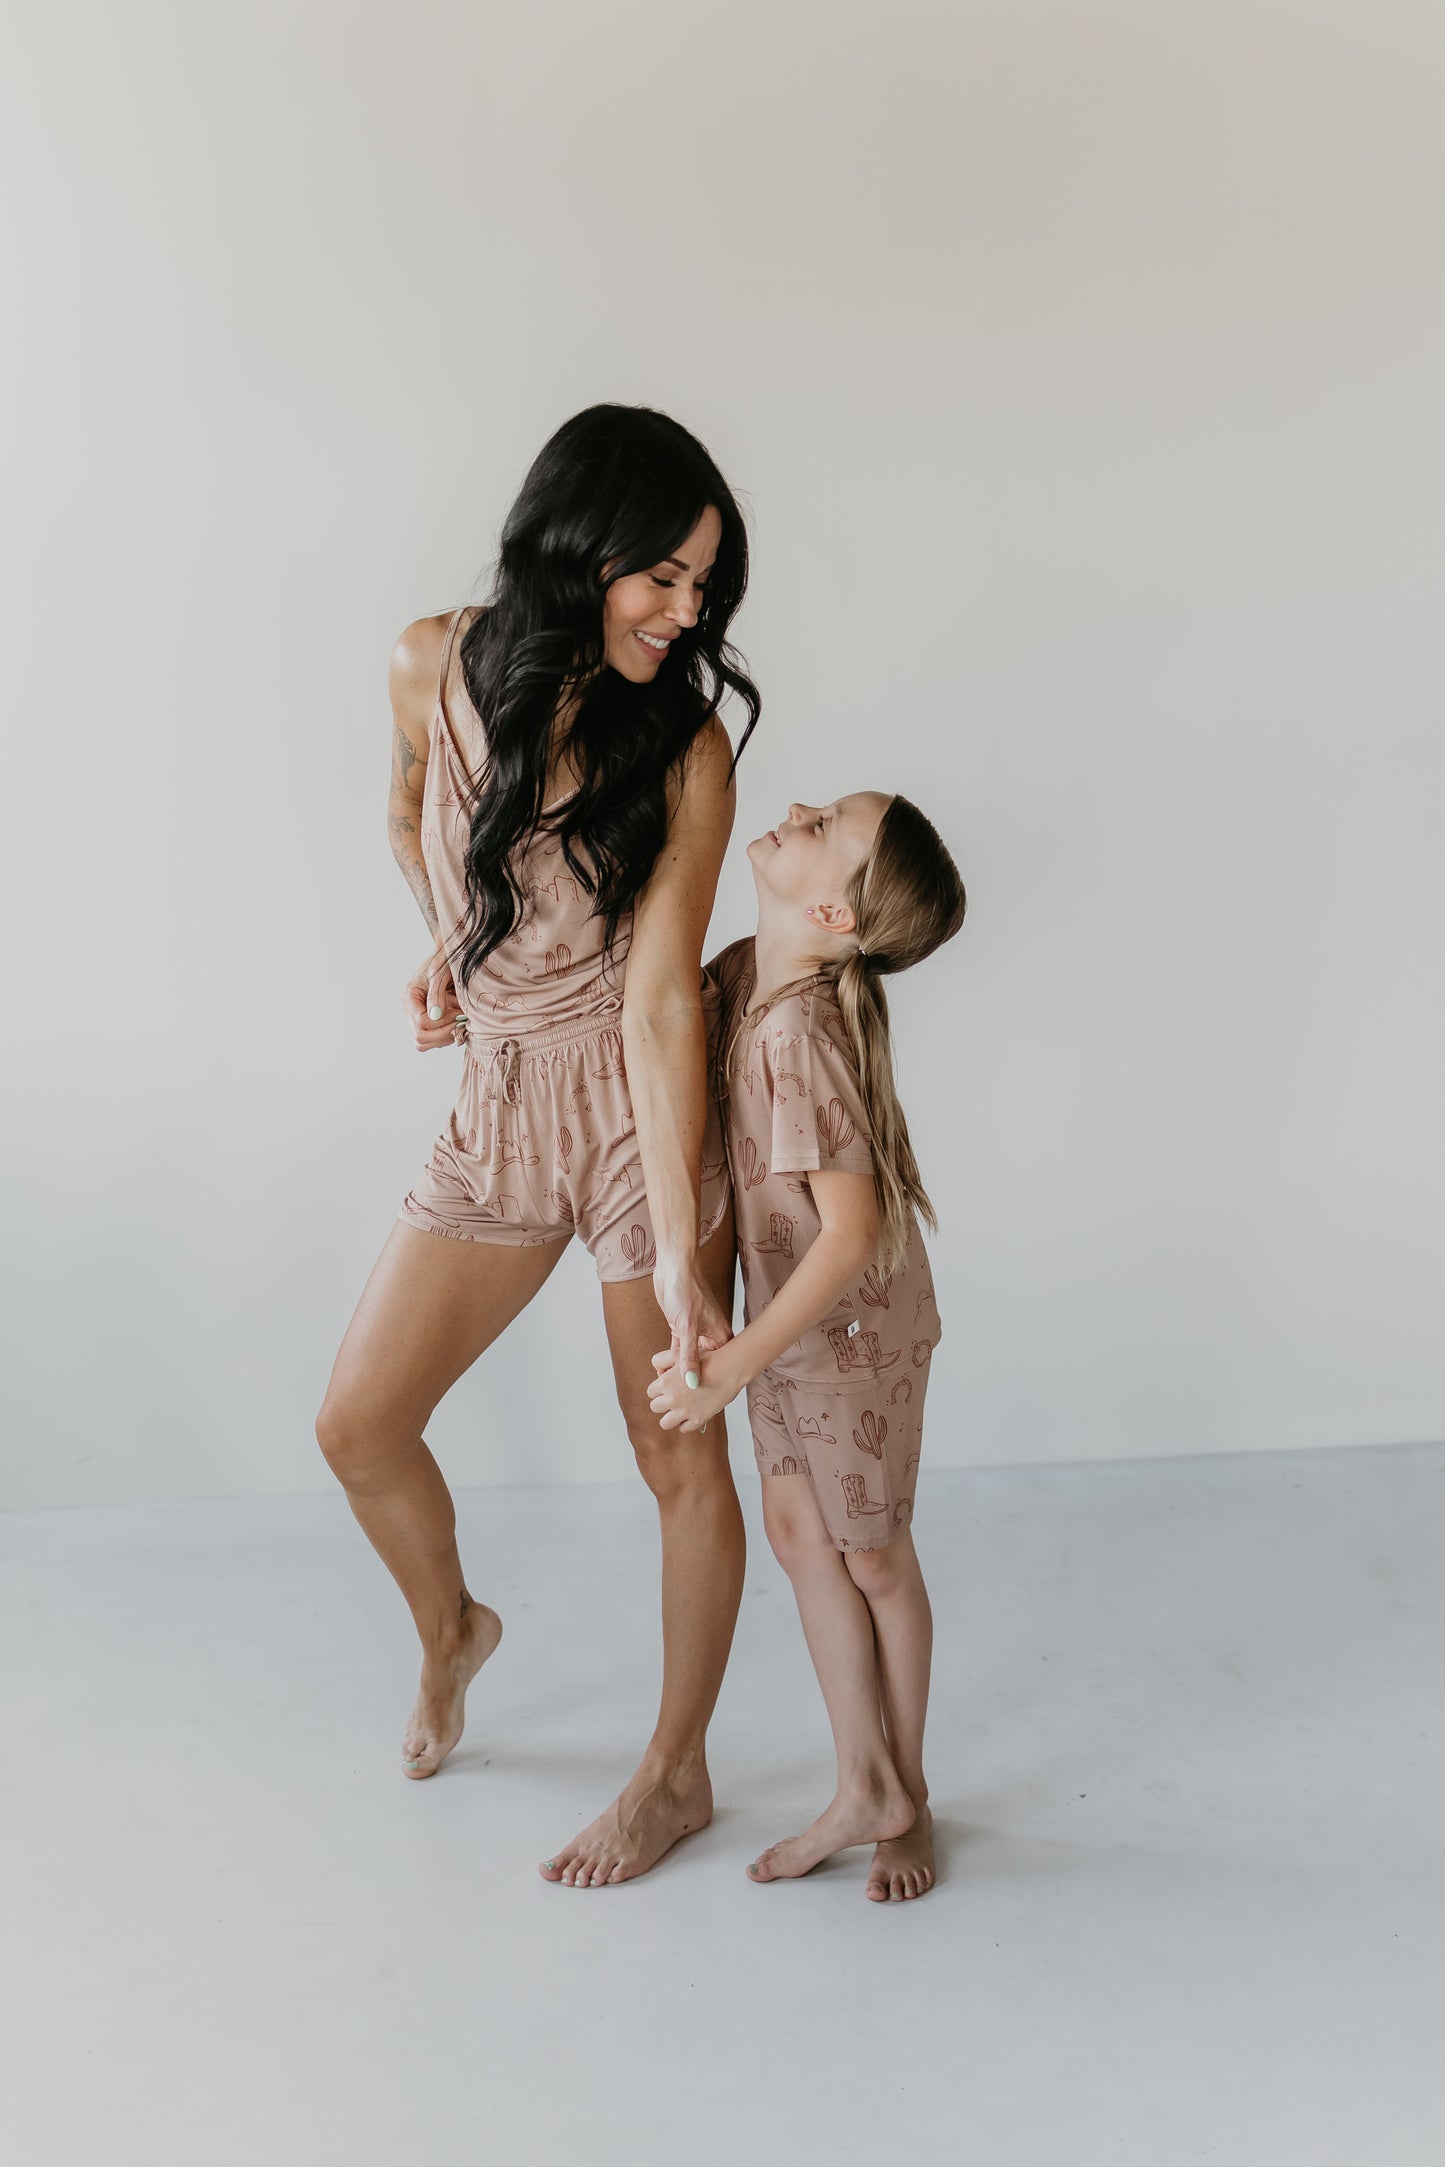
621,487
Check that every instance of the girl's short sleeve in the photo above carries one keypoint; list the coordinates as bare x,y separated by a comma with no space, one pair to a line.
818,1118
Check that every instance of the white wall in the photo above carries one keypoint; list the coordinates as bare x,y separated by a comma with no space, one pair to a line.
1081,367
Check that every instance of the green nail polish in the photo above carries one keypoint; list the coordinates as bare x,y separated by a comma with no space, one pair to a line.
435,1014
691,1380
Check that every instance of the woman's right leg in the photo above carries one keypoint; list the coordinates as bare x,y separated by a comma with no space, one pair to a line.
870,1804
430,1307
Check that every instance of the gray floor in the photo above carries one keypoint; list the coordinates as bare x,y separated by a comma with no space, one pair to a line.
1186,1751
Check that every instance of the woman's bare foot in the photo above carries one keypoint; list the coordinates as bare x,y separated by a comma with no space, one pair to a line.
903,1866
652,1814
882,1810
439,1716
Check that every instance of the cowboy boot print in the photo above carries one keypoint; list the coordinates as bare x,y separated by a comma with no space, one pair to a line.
780,1240
855,1493
851,1351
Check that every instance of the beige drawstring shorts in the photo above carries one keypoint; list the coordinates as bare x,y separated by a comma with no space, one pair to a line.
542,1144
859,1445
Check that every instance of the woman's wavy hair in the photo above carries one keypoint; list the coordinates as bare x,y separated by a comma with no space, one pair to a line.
619,487
908,899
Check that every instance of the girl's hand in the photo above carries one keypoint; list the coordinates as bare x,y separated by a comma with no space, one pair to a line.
427,989
692,1311
681,1406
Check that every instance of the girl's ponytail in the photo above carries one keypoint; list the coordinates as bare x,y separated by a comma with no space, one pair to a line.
907,899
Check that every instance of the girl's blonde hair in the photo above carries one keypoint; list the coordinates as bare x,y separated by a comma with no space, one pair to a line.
908,899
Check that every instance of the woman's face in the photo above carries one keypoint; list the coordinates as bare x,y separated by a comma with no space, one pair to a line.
643,613
809,858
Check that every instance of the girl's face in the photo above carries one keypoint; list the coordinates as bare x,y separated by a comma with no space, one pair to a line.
806,862
643,613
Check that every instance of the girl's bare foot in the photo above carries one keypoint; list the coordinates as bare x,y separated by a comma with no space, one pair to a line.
903,1866
876,1812
652,1814
439,1716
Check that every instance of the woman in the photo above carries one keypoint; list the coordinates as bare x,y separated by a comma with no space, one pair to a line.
561,802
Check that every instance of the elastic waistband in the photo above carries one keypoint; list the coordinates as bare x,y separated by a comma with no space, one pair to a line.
501,1055
485,1045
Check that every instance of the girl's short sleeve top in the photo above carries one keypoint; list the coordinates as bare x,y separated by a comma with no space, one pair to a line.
792,1105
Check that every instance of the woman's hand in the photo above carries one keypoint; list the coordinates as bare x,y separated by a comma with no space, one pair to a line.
693,1312
680,1406
427,990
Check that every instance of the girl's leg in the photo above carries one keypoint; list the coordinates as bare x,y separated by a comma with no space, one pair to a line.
870,1803
430,1307
702,1581
891,1583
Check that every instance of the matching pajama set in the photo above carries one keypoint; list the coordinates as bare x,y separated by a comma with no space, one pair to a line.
844,1404
541,1142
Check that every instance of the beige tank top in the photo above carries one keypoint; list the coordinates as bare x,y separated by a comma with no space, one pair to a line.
551,969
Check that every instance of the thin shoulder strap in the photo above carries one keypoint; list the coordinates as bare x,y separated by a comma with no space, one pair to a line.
446,721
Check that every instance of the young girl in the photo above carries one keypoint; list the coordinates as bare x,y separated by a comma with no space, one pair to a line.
841,1320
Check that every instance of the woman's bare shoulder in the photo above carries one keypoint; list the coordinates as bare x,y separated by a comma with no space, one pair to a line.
415,672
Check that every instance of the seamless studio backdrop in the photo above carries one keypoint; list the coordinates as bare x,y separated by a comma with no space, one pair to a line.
1080,369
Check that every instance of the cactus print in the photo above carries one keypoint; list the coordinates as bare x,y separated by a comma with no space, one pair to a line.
639,1251
835,1127
873,1290
751,1164
870,1437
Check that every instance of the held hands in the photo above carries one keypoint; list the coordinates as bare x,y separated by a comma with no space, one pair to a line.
681,1406
694,1315
427,990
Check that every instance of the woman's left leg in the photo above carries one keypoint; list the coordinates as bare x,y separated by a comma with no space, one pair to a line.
702,1581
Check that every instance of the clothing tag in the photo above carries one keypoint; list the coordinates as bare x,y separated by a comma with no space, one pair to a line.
853,1327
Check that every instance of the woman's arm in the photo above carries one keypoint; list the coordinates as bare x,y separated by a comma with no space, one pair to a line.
664,1039
415,663
415,666
845,1246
